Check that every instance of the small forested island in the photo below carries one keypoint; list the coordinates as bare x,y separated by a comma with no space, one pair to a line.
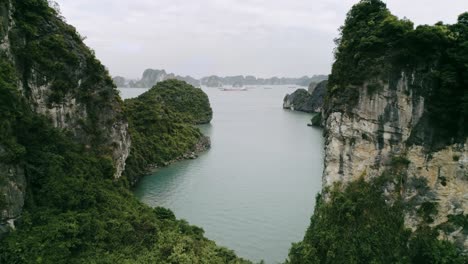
309,101
394,114
161,125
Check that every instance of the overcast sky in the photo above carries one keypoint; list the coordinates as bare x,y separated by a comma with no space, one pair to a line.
227,37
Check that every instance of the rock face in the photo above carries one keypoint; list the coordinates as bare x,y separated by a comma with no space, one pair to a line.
366,139
310,101
297,101
13,194
85,105
395,107
318,96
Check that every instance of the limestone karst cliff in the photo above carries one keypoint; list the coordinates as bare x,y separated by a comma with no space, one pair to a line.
410,104
60,78
396,146
367,139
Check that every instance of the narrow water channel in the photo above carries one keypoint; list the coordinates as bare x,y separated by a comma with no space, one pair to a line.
254,190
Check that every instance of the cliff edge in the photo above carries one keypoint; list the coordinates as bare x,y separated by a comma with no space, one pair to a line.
395,179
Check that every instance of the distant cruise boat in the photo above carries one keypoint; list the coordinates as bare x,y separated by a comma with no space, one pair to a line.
233,89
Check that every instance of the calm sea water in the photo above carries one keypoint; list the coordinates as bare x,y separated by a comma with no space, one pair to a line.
254,190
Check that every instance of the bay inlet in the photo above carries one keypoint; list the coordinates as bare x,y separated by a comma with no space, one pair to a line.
254,190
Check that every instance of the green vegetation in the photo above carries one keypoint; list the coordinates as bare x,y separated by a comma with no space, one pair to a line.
400,161
359,223
455,222
317,120
375,48
363,49
158,125
49,52
373,87
179,96
299,99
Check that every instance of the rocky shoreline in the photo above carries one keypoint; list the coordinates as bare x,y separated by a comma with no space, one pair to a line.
202,145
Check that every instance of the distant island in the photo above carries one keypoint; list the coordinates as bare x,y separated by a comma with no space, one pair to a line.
151,77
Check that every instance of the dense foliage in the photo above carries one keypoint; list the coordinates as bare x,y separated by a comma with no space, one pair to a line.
179,96
376,47
160,124
49,51
299,100
317,120
361,223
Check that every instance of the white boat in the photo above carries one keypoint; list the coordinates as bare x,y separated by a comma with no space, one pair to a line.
233,89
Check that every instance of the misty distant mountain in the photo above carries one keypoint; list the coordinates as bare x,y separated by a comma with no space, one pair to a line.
120,81
216,81
151,77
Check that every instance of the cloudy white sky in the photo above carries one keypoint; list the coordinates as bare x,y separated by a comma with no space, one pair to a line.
227,37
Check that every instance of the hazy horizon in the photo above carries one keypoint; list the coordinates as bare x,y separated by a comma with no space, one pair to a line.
225,37
222,76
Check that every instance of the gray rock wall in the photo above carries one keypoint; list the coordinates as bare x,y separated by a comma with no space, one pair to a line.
363,140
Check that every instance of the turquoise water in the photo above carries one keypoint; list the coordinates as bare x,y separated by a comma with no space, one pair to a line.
254,190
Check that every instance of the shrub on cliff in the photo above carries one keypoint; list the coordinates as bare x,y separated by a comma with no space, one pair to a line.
368,38
359,223
317,120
